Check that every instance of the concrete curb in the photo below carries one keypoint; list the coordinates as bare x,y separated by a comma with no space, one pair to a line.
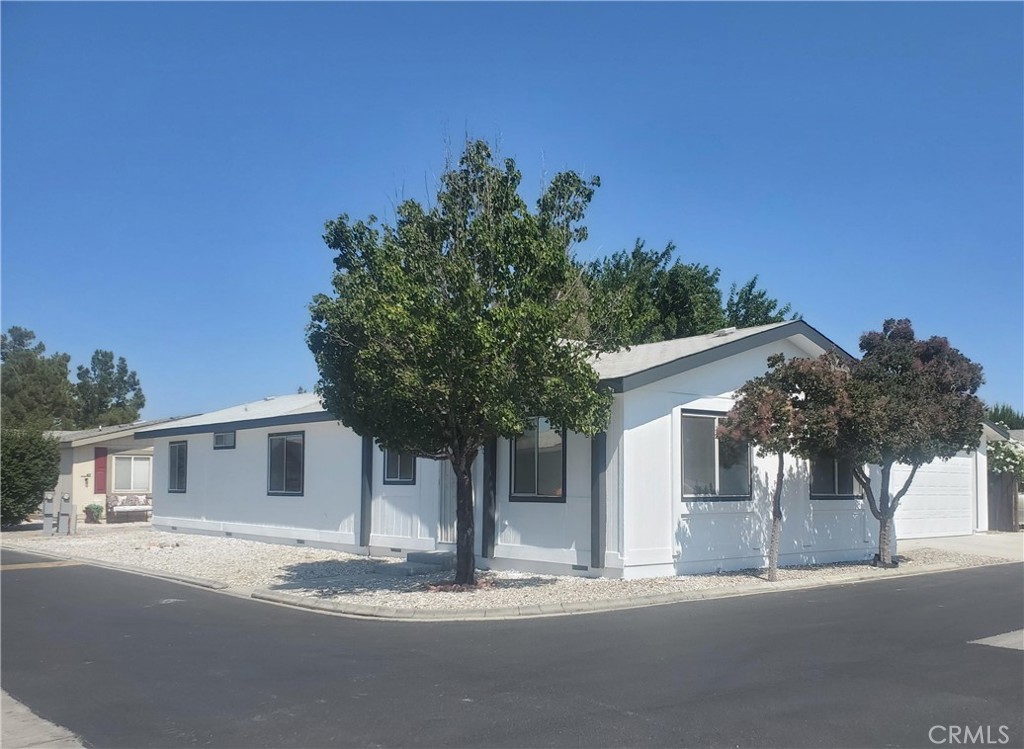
23,729
586,607
528,611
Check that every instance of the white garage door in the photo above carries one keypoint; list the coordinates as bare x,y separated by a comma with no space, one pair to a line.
939,501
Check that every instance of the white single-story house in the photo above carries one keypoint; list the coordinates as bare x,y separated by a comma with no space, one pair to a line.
656,494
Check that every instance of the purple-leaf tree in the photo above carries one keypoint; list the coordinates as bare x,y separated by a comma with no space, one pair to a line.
906,401
763,416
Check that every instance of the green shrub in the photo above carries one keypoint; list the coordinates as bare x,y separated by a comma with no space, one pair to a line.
29,466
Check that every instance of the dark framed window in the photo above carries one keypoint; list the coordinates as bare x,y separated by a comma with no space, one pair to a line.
223,440
713,468
832,479
178,464
538,464
399,467
286,456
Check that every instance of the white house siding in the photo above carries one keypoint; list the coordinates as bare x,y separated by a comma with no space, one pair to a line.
663,535
613,481
545,536
226,490
942,500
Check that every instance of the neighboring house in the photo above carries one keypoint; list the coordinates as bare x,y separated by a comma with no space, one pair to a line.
95,463
656,494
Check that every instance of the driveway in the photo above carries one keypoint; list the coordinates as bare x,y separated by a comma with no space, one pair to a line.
1001,545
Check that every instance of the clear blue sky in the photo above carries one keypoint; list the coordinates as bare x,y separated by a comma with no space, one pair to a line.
167,168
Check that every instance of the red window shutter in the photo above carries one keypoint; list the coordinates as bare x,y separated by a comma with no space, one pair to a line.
99,473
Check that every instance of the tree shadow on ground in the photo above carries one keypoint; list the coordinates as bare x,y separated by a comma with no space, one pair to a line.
341,577
21,527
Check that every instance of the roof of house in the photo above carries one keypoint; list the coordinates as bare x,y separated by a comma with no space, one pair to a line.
621,370
278,410
636,366
79,437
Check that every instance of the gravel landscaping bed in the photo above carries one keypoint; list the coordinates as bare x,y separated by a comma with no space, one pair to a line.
338,576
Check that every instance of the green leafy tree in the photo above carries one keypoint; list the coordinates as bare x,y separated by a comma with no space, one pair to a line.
107,394
456,325
624,291
1004,413
642,296
905,401
29,466
690,302
34,388
764,415
749,306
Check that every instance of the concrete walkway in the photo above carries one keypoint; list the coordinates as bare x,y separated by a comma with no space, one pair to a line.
999,545
23,729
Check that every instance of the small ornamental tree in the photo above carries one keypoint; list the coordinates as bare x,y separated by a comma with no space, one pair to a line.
763,415
905,401
29,466
458,324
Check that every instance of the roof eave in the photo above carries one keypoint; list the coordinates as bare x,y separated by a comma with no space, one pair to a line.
718,353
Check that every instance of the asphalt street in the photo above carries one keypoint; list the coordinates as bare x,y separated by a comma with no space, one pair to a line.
129,661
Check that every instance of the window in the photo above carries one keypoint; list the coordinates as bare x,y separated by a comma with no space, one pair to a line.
224,441
712,467
399,467
538,464
832,478
178,467
285,463
131,473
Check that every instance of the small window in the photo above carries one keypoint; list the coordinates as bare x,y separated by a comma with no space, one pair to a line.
224,441
178,464
713,468
832,478
286,457
131,473
399,467
538,464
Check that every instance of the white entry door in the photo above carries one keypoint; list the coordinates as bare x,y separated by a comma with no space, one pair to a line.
446,512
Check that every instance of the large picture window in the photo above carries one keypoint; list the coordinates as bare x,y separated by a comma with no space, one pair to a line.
713,468
832,478
131,473
399,467
286,457
178,464
538,464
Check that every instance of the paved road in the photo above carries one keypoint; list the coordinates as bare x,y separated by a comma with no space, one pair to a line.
129,661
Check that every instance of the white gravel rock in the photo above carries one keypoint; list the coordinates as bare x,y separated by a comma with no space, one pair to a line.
341,577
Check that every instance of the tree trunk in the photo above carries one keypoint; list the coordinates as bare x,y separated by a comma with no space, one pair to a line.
773,550
885,531
465,558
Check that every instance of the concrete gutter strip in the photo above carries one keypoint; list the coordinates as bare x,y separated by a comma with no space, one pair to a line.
581,607
524,611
